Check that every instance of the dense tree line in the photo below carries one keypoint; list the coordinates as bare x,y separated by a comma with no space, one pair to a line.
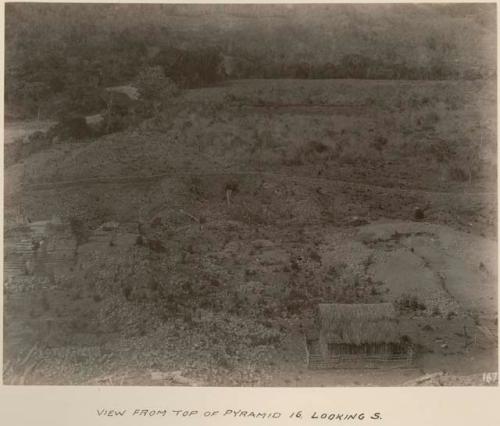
59,57
355,67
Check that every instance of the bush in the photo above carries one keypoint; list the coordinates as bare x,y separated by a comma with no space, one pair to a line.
127,292
252,214
458,174
410,303
73,127
156,246
318,147
430,120
232,186
80,230
311,152
379,143
45,302
193,68
155,89
113,121
195,186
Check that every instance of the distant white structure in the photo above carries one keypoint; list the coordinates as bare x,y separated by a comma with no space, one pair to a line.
131,91
94,120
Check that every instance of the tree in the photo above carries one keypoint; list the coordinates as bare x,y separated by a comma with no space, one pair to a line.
191,68
354,66
35,93
155,89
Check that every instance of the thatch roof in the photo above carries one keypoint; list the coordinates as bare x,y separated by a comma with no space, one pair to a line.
358,323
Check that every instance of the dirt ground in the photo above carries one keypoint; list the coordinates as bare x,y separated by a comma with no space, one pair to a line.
198,243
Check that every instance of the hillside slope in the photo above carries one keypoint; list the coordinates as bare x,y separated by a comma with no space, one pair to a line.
203,240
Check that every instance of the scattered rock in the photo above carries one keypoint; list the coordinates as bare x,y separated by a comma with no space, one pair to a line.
174,376
428,379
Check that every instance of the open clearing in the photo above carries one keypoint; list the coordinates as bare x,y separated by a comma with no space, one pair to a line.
21,129
201,241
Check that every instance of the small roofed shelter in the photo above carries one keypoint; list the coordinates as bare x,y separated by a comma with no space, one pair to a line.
357,335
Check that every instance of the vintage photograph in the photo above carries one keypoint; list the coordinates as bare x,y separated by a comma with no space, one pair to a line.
293,195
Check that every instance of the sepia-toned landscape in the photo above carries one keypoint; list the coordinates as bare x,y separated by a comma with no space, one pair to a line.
250,195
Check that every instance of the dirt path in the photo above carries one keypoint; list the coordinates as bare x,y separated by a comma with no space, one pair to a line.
147,178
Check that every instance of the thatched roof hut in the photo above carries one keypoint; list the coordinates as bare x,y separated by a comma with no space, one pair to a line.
357,324
356,334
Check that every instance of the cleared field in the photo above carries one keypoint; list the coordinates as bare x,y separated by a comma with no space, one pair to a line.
21,129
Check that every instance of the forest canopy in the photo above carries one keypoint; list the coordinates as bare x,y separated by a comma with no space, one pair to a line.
57,55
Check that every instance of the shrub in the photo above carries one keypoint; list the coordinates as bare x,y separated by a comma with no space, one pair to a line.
430,119
410,303
232,186
318,147
193,67
379,143
80,230
45,302
79,324
156,246
127,292
252,214
315,256
436,311
155,89
73,126
79,99
458,174
114,120
195,186
310,152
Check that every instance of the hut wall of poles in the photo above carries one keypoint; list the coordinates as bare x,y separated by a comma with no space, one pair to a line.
356,333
